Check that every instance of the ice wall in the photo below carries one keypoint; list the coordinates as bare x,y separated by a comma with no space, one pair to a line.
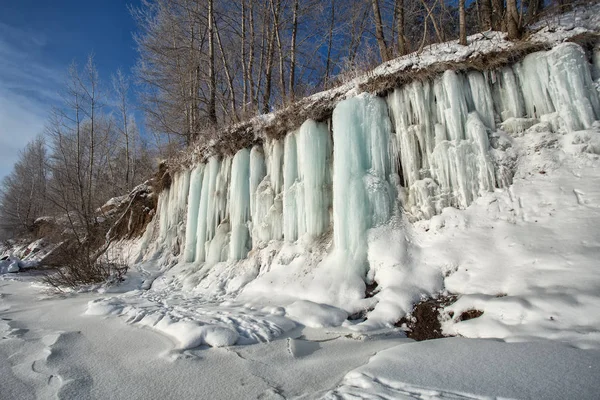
239,199
442,125
363,195
307,181
424,147
167,229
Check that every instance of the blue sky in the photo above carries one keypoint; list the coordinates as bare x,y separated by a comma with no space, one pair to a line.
38,41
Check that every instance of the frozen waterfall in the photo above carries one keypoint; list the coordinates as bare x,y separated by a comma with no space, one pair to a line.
424,147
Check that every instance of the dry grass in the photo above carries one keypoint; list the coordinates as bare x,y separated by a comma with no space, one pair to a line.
162,178
587,40
79,268
135,215
383,84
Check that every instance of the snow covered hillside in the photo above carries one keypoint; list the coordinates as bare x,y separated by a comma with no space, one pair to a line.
476,184
479,188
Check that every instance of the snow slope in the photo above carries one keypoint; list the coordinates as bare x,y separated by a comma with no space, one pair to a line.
474,369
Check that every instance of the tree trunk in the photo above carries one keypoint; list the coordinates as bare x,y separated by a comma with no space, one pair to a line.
486,15
269,70
212,101
329,42
251,54
462,23
383,49
400,26
228,75
512,20
245,78
498,20
275,11
292,77
433,21
533,7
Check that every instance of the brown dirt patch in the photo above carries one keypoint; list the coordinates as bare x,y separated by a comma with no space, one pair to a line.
423,322
469,314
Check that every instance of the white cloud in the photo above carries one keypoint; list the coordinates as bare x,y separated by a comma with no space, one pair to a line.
28,89
20,121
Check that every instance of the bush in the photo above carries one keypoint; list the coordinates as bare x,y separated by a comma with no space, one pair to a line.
79,267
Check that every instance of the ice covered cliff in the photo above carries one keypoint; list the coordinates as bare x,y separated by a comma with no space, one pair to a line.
461,180
311,200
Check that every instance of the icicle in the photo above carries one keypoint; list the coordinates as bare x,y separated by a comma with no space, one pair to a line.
274,149
452,104
571,87
462,168
534,78
205,230
313,192
596,64
192,213
361,167
239,200
258,171
172,209
482,98
290,175
508,100
163,212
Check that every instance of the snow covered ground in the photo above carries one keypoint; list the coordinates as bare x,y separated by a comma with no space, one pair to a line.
50,348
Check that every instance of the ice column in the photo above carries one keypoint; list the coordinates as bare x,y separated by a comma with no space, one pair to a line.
482,98
290,176
258,171
362,194
596,63
314,161
444,153
573,92
267,212
208,187
193,211
508,101
559,81
173,205
213,210
451,103
534,79
414,119
239,200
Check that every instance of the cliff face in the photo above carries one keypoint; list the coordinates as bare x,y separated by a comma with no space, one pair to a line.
428,145
393,196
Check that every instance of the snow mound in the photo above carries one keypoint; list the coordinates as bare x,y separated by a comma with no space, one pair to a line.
474,369
315,315
193,322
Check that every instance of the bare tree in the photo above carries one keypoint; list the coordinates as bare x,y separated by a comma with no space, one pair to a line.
121,90
383,49
399,9
512,20
212,109
23,191
498,15
462,23
292,78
